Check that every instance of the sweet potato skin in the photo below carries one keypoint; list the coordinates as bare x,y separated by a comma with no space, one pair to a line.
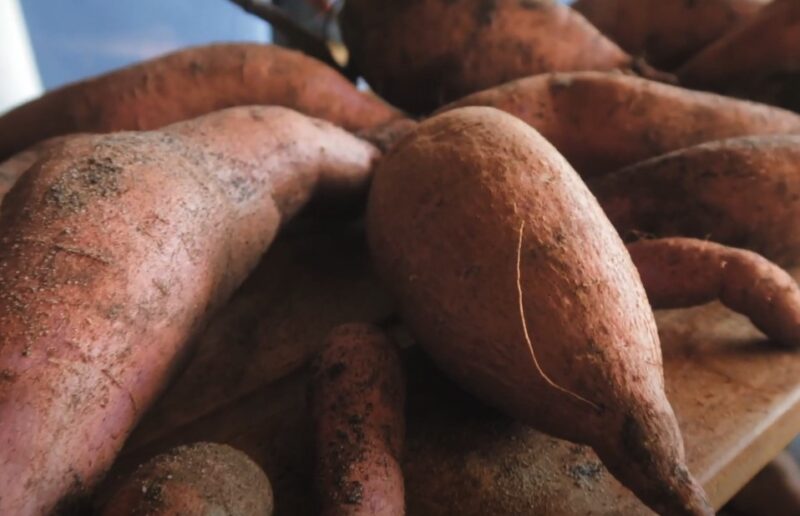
743,192
189,83
114,251
421,54
684,272
757,60
446,209
666,32
357,402
201,479
602,122
13,168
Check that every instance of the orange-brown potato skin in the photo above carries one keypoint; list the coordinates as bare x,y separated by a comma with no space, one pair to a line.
189,83
444,216
743,192
13,168
201,479
602,122
758,60
113,252
666,32
684,272
357,402
421,54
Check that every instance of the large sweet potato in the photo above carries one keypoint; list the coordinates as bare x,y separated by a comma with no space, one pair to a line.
743,192
202,479
420,54
190,83
759,60
514,281
666,32
114,251
601,122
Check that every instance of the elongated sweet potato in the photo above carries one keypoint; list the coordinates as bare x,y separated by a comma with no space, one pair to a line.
190,83
758,60
601,122
666,32
422,54
202,479
514,281
684,272
743,192
357,402
115,249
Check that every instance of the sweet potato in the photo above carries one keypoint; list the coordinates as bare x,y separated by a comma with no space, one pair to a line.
759,60
190,83
306,284
357,402
114,251
421,54
684,272
666,32
601,122
514,281
202,479
743,192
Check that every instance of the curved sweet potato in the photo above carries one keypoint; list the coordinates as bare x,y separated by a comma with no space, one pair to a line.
684,272
201,479
601,122
421,54
190,83
115,249
514,281
743,192
357,402
758,60
666,32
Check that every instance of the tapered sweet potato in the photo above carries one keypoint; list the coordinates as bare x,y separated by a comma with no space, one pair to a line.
202,479
190,83
357,402
666,32
421,54
684,272
514,281
759,60
743,192
601,122
115,249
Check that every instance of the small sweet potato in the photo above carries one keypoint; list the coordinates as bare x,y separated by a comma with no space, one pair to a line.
202,479
666,32
759,60
114,251
743,192
421,54
514,281
357,402
684,272
602,122
190,83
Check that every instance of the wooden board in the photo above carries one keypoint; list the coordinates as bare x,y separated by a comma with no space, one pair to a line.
736,396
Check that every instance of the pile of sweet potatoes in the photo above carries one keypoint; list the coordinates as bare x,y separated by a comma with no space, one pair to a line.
553,191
